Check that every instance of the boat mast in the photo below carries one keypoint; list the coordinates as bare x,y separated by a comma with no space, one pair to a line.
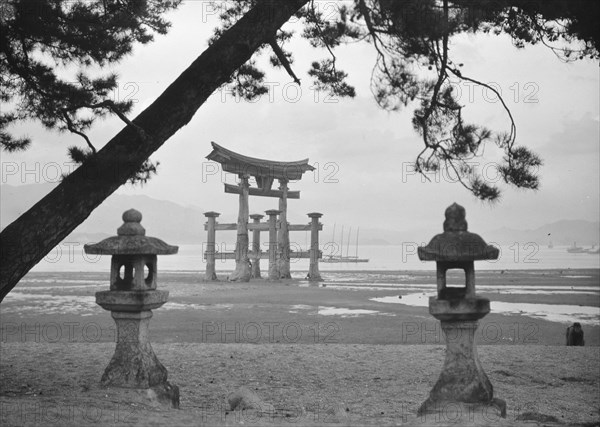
342,243
357,230
333,242
348,244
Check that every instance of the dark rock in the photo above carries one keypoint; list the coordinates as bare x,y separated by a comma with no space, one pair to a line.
244,398
165,394
536,416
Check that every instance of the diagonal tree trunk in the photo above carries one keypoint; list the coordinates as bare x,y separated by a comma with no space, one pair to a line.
29,238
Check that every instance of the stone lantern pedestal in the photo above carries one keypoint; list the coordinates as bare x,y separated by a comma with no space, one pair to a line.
463,380
131,299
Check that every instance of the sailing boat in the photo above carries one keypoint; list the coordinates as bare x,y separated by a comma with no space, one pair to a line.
341,258
575,249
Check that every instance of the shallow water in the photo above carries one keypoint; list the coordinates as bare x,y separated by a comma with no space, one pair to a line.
69,256
60,293
527,289
552,312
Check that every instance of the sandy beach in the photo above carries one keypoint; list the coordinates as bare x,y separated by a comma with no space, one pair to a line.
424,175
323,353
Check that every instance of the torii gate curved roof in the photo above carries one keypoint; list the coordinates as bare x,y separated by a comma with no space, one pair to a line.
261,169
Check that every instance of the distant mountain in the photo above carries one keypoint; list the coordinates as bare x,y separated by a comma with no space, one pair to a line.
166,220
383,237
560,233
16,200
169,221
177,224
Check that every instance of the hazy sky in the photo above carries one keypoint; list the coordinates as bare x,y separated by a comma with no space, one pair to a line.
363,155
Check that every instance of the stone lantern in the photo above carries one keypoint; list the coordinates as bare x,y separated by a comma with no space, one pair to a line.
131,298
459,310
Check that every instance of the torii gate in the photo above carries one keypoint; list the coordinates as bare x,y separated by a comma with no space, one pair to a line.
265,172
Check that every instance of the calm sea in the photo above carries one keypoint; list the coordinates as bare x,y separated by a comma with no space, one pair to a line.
71,257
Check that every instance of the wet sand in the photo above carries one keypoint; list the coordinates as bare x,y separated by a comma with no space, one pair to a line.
319,347
339,310
326,384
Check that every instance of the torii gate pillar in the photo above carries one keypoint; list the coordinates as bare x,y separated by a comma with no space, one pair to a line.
273,267
242,267
313,269
210,273
256,247
284,233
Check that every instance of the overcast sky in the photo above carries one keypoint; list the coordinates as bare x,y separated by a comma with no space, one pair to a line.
363,155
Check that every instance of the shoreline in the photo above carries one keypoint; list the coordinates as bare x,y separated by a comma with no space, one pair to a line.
341,309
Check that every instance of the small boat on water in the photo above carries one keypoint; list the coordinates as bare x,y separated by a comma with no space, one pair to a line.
331,259
575,249
337,259
580,250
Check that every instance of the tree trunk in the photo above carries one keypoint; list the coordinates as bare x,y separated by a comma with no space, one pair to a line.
29,238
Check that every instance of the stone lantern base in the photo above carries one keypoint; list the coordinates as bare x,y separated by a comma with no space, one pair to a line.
462,380
134,364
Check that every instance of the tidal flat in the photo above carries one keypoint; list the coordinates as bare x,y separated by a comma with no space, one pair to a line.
319,353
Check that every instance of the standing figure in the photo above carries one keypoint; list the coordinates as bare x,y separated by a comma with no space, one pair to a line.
575,335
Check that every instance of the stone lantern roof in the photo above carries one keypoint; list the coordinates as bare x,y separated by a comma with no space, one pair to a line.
131,239
456,244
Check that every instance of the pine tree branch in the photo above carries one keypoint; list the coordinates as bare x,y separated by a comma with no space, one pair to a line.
322,38
513,127
113,107
72,129
283,59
